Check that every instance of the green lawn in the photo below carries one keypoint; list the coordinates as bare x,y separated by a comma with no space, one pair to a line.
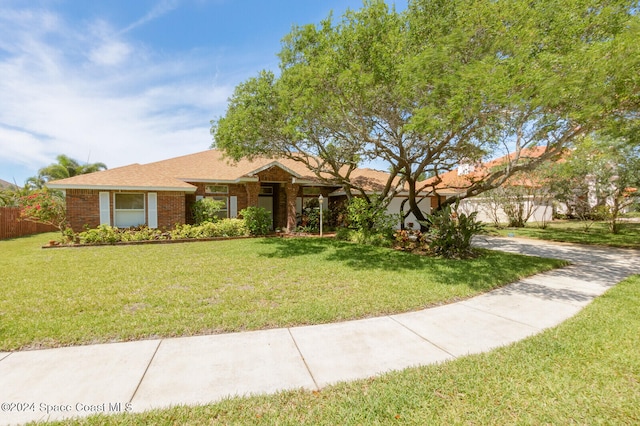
68,296
584,371
576,232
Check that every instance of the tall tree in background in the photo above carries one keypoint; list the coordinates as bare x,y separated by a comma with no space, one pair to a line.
441,82
67,167
600,175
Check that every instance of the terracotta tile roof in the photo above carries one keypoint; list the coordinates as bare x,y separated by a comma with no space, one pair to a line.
452,181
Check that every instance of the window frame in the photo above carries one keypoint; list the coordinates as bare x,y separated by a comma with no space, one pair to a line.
225,198
225,189
116,210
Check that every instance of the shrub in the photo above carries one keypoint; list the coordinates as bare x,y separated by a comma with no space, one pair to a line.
141,233
361,236
309,220
101,234
450,233
44,206
410,240
231,228
257,220
370,217
207,210
221,228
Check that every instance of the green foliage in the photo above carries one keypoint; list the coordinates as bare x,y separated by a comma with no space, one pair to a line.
207,210
66,167
232,228
309,218
221,228
439,82
450,233
10,197
362,236
370,216
105,234
598,178
44,206
257,220
100,235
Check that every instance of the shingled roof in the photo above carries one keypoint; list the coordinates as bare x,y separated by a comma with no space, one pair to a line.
206,166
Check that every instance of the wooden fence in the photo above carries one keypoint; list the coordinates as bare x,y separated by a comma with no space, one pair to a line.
11,226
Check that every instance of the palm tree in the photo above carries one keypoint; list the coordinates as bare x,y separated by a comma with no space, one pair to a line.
68,167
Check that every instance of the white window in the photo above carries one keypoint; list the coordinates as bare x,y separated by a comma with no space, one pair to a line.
224,211
128,210
217,189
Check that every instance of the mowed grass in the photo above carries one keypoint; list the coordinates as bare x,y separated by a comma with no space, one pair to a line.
584,371
71,296
577,232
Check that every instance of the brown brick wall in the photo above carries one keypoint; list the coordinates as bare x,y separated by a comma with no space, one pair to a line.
83,208
171,209
274,174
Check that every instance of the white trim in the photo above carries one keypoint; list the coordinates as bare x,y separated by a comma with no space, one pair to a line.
152,210
124,188
272,164
105,209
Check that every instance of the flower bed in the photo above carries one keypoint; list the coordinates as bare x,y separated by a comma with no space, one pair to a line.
105,235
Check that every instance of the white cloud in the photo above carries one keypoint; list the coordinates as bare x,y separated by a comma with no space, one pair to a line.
96,95
161,8
110,53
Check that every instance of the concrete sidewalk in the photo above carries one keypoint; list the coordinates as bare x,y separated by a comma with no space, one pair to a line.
136,376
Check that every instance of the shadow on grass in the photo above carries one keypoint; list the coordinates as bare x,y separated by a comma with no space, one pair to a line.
357,256
484,272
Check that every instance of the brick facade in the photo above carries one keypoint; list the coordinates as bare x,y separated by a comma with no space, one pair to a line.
171,209
175,207
83,208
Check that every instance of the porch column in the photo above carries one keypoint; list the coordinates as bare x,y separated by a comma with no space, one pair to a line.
291,190
253,190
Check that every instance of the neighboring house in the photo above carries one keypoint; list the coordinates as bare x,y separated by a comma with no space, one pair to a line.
6,185
534,200
162,194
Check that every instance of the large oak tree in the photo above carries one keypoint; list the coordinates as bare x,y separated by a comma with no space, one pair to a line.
441,82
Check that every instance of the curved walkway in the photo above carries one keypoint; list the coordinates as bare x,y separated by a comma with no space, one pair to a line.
137,376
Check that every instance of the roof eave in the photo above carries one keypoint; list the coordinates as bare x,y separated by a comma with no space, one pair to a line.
124,188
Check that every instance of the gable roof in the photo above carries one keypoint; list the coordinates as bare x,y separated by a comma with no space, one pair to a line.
132,177
207,166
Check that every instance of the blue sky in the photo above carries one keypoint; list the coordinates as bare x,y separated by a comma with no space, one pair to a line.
122,81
